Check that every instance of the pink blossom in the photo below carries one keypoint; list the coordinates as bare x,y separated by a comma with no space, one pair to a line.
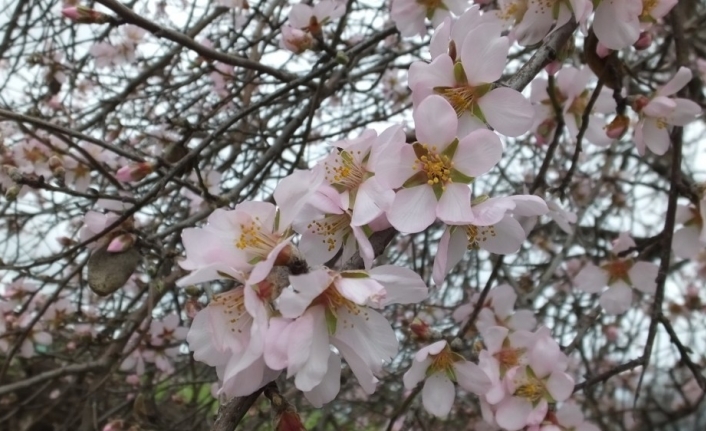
662,111
247,240
534,18
440,367
324,308
492,228
295,40
312,19
409,15
434,173
497,310
619,274
467,87
229,334
350,169
572,96
134,172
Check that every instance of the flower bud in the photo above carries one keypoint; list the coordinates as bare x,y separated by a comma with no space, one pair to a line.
296,40
12,193
289,420
14,173
644,41
602,51
618,127
420,328
84,15
134,172
121,243
639,103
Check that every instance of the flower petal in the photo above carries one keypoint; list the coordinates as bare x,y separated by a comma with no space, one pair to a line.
413,210
507,111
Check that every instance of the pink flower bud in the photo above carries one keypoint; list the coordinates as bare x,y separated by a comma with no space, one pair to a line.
121,243
644,41
296,40
134,172
133,379
618,127
84,15
289,420
640,102
420,328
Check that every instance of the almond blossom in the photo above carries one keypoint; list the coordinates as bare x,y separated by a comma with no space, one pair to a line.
662,111
323,308
229,334
467,86
325,225
311,19
572,96
534,18
350,169
246,239
530,386
492,228
498,310
434,173
440,368
619,274
409,15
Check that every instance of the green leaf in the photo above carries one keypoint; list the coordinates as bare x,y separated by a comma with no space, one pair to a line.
475,110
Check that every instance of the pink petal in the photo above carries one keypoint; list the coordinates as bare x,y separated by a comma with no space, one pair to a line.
679,81
436,122
617,299
471,377
512,413
491,211
438,73
438,394
660,106
505,237
643,275
478,153
591,279
483,56
656,137
684,113
560,385
451,249
300,15
454,206
413,210
305,287
330,385
402,285
686,244
615,26
416,373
